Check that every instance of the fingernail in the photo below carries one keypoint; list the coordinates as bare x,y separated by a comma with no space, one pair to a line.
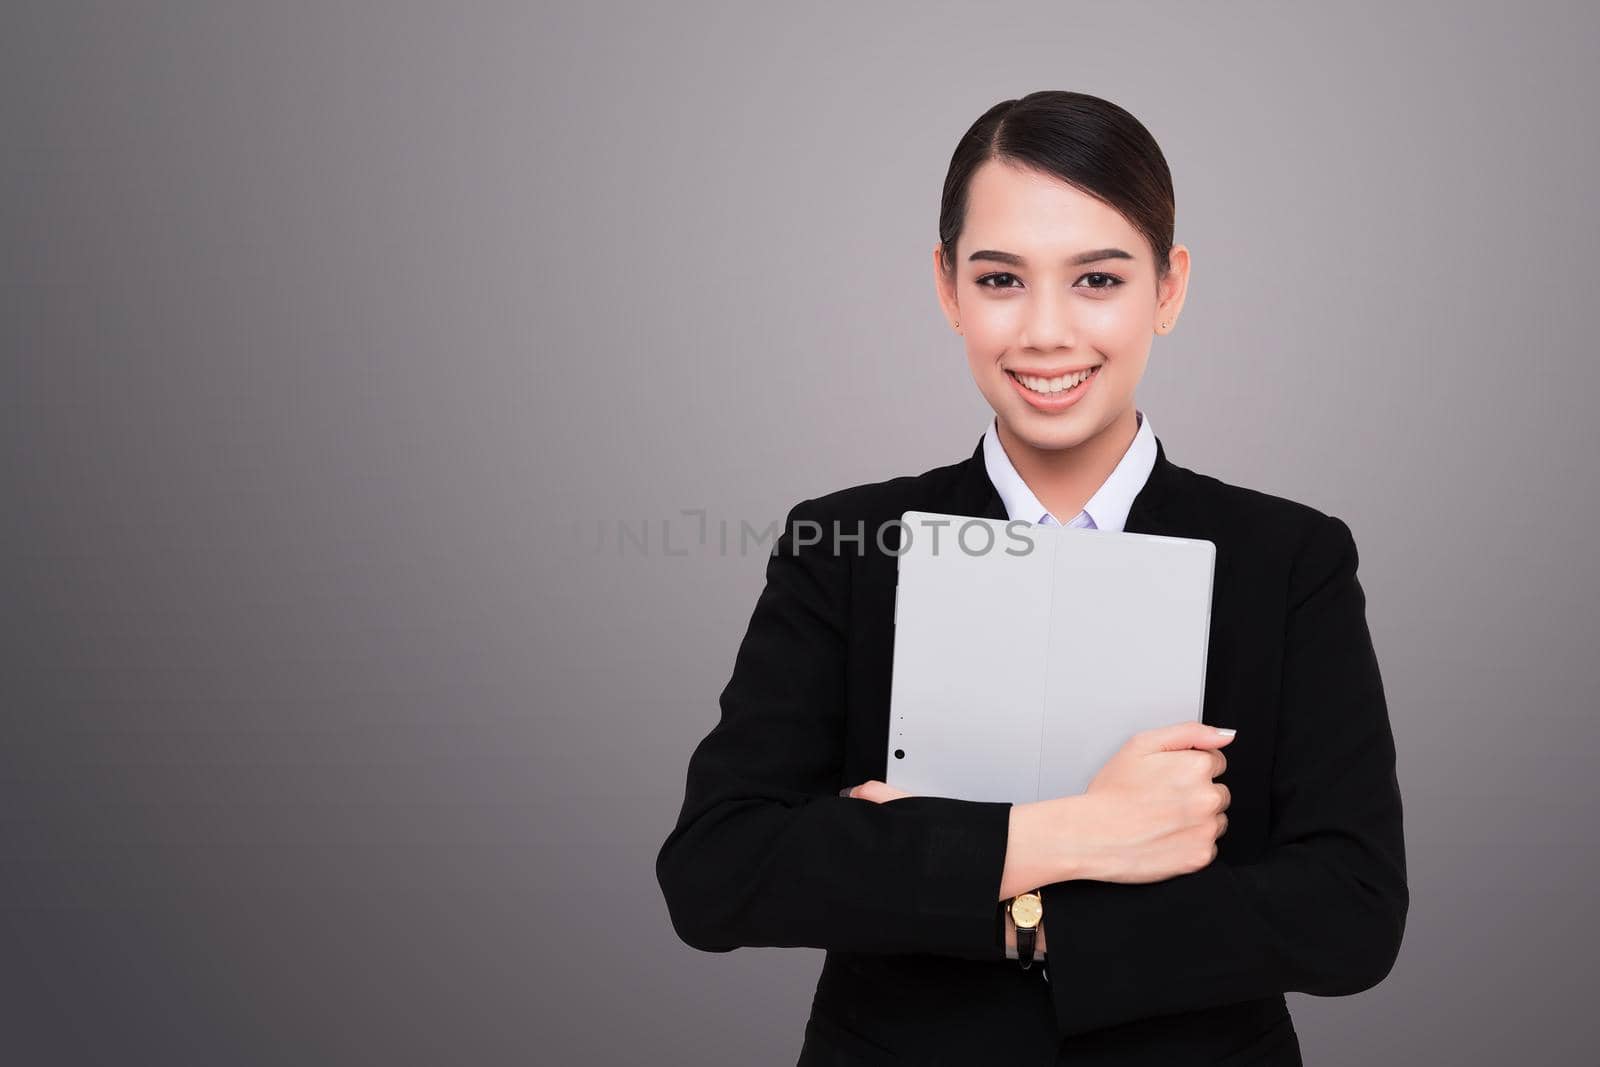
845,791
1226,732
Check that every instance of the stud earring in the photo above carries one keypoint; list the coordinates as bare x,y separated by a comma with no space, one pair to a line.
958,324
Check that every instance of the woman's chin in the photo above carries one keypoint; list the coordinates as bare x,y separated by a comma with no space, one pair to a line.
1048,438
1052,433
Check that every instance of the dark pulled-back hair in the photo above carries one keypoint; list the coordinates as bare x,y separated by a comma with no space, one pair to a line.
1089,143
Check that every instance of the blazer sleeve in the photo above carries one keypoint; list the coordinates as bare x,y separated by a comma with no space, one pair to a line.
1324,908
766,852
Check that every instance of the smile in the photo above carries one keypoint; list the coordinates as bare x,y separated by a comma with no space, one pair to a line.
1054,385
1054,394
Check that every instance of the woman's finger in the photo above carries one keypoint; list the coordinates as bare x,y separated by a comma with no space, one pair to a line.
875,791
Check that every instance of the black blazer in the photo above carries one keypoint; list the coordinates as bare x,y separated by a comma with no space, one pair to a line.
1308,892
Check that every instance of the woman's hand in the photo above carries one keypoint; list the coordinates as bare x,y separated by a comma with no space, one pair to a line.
1153,811
875,791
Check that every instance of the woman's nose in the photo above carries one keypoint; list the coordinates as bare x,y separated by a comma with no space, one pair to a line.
1048,325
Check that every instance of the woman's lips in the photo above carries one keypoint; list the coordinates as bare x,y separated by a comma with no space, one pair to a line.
1054,402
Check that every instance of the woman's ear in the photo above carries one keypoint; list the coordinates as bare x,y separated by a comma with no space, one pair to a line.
944,287
1170,290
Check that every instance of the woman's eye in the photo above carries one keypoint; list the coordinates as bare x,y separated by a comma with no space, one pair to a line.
1004,280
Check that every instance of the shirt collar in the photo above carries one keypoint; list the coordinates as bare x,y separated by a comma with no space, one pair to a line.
1107,509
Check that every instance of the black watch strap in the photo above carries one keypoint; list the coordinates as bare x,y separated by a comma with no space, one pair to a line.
1026,936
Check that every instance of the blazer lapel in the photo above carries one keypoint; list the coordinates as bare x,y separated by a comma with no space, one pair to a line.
975,494
1152,511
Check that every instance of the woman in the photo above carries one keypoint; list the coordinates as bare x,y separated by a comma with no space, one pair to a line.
1185,891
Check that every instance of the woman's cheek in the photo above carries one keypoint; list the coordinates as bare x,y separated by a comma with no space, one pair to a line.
1114,326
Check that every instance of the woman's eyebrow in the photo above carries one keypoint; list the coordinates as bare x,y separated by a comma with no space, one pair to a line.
1011,259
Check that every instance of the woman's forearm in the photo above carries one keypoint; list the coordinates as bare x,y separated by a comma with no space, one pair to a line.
1041,845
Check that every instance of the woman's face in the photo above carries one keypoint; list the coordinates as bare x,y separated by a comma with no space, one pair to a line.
1049,281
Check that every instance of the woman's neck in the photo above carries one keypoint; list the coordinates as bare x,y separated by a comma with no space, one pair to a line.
1064,479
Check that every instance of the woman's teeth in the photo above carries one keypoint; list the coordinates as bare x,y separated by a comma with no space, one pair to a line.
1055,385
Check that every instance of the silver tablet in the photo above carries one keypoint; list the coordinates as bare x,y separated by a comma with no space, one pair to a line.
1026,655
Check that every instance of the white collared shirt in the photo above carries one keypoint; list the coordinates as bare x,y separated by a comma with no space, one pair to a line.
1106,510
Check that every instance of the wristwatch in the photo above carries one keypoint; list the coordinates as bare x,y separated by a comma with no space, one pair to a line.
1026,909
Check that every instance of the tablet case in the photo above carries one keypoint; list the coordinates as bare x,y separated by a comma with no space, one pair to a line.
1025,656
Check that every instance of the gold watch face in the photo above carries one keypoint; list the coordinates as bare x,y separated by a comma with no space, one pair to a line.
1026,910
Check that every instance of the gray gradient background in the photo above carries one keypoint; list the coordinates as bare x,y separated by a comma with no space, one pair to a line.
333,332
